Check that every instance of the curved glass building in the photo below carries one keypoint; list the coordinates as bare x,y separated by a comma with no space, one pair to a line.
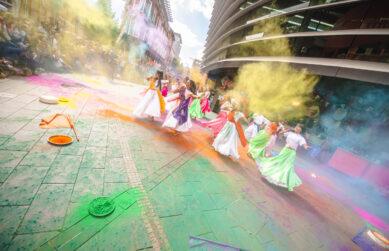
345,42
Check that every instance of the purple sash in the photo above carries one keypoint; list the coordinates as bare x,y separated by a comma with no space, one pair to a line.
181,113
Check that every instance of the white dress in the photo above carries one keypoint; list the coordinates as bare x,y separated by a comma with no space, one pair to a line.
172,122
226,141
175,86
169,104
294,140
252,130
149,105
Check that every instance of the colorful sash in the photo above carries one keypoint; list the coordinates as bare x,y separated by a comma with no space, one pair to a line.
160,97
181,113
231,118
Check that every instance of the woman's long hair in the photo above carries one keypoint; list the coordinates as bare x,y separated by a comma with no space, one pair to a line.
160,76
192,87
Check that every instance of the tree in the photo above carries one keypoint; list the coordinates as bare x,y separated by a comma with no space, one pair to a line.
197,76
176,62
105,7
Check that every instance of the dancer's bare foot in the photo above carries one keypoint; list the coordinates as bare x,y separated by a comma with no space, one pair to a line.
176,133
151,119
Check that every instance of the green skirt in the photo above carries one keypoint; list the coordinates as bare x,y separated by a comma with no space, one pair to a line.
195,109
258,143
279,170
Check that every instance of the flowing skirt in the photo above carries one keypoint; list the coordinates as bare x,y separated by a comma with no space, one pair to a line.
279,170
270,145
217,124
226,141
171,101
251,131
205,105
258,144
195,109
172,122
149,105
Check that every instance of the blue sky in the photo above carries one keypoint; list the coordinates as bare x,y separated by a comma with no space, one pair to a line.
190,19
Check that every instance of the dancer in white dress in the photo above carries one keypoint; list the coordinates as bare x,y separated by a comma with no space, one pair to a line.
172,100
179,119
152,104
259,123
279,170
226,141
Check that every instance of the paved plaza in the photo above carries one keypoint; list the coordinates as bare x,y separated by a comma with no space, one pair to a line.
166,188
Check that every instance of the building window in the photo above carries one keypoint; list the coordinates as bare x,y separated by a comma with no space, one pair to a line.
361,47
292,24
275,8
6,3
247,4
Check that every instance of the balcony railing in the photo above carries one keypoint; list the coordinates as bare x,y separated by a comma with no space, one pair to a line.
353,47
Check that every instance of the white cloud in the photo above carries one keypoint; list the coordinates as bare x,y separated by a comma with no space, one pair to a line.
192,47
118,8
204,6
199,53
188,37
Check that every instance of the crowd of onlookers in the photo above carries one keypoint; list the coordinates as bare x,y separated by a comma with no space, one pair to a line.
29,47
351,120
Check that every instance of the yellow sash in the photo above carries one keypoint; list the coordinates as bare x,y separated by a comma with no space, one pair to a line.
161,100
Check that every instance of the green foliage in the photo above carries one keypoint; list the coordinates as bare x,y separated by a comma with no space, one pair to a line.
105,7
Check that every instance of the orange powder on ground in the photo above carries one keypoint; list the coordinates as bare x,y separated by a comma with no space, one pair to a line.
60,139
112,114
124,107
195,139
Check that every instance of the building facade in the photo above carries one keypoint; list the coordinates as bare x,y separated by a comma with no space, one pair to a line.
176,48
345,39
196,63
344,42
145,27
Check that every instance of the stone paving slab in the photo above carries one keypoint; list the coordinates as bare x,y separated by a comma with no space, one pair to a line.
8,161
10,218
22,141
64,169
76,148
30,241
111,189
94,157
89,181
8,128
115,171
55,198
21,186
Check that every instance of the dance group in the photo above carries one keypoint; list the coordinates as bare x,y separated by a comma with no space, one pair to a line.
184,102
